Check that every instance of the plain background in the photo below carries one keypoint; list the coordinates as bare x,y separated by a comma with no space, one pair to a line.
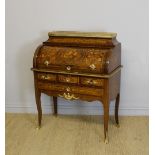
27,25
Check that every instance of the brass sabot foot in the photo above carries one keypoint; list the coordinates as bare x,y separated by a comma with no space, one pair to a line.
117,125
106,140
38,127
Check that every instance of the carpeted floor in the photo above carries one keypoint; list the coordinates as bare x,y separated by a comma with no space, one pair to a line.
75,135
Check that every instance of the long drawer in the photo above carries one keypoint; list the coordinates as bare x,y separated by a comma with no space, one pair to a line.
70,89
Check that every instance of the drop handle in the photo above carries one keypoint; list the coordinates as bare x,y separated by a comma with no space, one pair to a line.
46,63
92,66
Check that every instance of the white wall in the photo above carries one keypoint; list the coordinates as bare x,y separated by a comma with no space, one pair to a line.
27,25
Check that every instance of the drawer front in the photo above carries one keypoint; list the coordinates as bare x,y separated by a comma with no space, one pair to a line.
68,79
46,77
91,81
69,59
70,89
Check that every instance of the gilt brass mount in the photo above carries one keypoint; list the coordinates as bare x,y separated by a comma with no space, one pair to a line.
69,96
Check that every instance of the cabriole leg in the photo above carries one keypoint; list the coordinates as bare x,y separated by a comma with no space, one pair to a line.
38,100
106,120
116,110
38,103
106,102
55,104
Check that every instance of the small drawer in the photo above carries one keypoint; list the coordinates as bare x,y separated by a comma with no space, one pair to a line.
91,81
68,79
46,77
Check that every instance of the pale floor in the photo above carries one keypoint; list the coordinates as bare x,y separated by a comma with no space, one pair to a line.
75,135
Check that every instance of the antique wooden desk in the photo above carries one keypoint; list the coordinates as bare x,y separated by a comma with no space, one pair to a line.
79,65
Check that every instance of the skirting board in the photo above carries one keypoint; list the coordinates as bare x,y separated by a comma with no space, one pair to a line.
77,110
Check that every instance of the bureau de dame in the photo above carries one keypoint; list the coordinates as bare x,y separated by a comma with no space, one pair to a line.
79,65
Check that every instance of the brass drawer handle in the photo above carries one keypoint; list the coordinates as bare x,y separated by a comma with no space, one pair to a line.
68,68
69,96
91,82
46,63
92,66
45,77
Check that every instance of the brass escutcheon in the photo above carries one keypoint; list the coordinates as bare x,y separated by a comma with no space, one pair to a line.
67,79
68,68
